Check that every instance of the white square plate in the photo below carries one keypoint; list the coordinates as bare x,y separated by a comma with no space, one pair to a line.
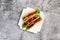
37,27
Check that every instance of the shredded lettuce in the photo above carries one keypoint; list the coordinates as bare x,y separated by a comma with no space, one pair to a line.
37,13
27,28
23,25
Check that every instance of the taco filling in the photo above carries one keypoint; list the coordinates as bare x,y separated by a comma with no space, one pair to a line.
31,19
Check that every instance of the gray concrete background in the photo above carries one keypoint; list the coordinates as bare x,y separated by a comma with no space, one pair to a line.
10,10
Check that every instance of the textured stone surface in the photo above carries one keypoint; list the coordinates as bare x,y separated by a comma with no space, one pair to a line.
10,10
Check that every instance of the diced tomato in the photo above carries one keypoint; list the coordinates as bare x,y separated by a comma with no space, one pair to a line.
32,13
29,20
37,20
